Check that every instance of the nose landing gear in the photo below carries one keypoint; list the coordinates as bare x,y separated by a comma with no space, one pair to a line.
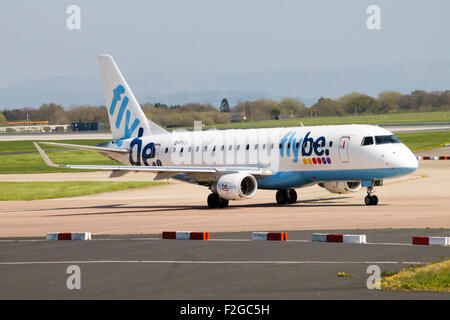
370,200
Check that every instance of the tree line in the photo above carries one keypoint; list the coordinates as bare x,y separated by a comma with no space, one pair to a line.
260,109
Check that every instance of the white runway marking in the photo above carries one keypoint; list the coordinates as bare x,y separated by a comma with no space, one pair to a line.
204,262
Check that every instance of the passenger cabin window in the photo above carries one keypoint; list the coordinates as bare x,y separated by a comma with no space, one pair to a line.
386,139
367,141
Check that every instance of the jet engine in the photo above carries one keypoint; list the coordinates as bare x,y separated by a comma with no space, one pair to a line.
236,186
341,186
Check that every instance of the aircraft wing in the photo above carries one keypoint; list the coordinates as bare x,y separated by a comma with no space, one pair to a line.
83,147
163,171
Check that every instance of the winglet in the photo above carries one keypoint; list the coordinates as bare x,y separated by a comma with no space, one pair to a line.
46,158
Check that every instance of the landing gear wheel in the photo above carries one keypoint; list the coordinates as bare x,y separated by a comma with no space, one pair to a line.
214,201
371,200
282,196
223,203
292,196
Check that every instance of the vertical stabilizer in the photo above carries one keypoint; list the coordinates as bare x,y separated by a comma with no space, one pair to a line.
126,118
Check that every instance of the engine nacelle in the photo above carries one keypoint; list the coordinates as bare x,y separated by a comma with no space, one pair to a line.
236,186
341,186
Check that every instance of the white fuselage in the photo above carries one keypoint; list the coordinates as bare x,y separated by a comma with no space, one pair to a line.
297,156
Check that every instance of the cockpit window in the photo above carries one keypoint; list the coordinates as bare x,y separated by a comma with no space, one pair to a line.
367,141
386,139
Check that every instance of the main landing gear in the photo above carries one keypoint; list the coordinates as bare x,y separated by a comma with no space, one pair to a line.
286,196
214,201
370,200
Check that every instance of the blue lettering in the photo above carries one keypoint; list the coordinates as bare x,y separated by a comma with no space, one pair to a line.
136,141
296,148
308,146
307,141
288,149
283,141
129,131
320,143
123,106
148,152
117,92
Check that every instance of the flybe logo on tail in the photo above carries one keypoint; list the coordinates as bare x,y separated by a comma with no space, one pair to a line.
117,96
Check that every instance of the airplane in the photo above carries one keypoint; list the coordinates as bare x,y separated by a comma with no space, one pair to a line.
234,163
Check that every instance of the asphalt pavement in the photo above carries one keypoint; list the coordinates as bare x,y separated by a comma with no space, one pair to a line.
228,266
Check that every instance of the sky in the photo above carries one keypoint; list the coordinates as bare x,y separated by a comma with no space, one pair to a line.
215,36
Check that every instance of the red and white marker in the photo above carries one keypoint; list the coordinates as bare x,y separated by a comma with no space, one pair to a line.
345,238
185,235
433,158
69,236
276,236
431,241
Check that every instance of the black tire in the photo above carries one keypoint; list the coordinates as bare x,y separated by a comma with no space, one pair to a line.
282,196
292,196
374,200
223,203
371,200
213,201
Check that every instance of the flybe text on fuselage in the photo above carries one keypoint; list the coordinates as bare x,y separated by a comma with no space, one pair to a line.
305,147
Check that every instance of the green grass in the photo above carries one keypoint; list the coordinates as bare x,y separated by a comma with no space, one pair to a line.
433,277
442,116
49,190
27,145
424,140
33,163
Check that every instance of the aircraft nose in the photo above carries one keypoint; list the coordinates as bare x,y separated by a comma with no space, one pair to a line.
401,158
406,159
411,161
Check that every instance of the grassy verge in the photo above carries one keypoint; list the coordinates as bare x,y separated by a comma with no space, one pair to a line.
417,117
50,190
433,277
27,145
33,163
424,140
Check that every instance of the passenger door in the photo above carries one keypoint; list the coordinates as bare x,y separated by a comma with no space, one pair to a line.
343,149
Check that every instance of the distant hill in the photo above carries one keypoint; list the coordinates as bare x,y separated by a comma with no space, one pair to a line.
307,84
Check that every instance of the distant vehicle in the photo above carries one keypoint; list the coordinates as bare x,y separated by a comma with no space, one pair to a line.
87,126
234,163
